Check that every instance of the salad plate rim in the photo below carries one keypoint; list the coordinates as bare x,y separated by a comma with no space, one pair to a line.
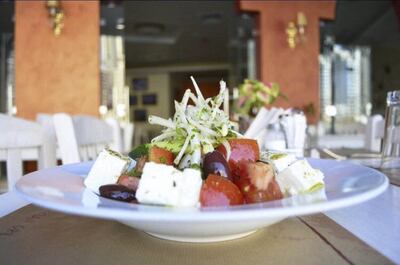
141,212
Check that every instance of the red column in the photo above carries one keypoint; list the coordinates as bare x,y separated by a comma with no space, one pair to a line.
296,70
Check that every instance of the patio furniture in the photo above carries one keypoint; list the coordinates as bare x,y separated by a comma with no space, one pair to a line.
23,140
127,136
117,143
374,133
81,137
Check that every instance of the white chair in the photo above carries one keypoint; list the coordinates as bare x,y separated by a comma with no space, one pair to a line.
374,132
23,140
127,133
66,139
46,120
117,144
93,135
81,137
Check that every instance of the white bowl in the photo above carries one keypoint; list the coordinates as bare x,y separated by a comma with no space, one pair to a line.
62,189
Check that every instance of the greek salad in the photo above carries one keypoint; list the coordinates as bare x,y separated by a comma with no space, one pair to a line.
199,161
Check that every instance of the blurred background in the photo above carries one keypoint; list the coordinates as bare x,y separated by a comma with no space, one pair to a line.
335,60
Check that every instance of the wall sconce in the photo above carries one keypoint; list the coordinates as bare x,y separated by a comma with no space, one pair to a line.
296,30
56,16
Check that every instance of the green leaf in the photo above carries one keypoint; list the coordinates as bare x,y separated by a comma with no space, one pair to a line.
173,146
134,173
195,166
139,151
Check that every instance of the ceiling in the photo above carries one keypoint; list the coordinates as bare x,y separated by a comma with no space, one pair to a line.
179,32
6,16
364,23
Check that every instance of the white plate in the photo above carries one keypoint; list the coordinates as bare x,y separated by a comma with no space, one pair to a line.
62,189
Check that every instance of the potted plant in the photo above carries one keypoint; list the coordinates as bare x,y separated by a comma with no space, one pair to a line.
253,95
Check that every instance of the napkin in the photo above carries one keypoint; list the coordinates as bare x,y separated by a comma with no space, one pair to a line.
294,125
262,120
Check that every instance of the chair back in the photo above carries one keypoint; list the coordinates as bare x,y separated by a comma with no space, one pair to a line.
128,130
66,138
117,143
93,135
22,140
374,132
81,137
46,120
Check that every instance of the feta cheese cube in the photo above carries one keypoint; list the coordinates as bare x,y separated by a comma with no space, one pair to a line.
107,168
166,185
299,177
280,161
189,188
306,198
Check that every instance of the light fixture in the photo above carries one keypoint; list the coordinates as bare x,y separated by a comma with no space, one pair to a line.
149,28
121,110
103,109
103,22
330,111
296,31
56,16
211,19
154,33
120,23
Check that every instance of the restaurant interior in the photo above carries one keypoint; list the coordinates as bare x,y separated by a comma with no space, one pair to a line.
77,76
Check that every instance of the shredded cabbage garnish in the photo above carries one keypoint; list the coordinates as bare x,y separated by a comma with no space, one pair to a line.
195,129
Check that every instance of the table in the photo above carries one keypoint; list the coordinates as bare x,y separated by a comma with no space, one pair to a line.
376,222
341,140
34,235
364,234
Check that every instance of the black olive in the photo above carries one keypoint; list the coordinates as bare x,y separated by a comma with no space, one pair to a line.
117,192
215,163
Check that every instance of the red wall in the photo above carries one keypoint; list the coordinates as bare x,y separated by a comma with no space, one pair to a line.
296,70
57,74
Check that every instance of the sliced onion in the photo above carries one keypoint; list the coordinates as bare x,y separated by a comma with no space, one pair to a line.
227,148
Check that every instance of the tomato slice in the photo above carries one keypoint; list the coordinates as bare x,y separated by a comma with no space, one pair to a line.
129,182
241,149
219,191
272,193
257,183
160,155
